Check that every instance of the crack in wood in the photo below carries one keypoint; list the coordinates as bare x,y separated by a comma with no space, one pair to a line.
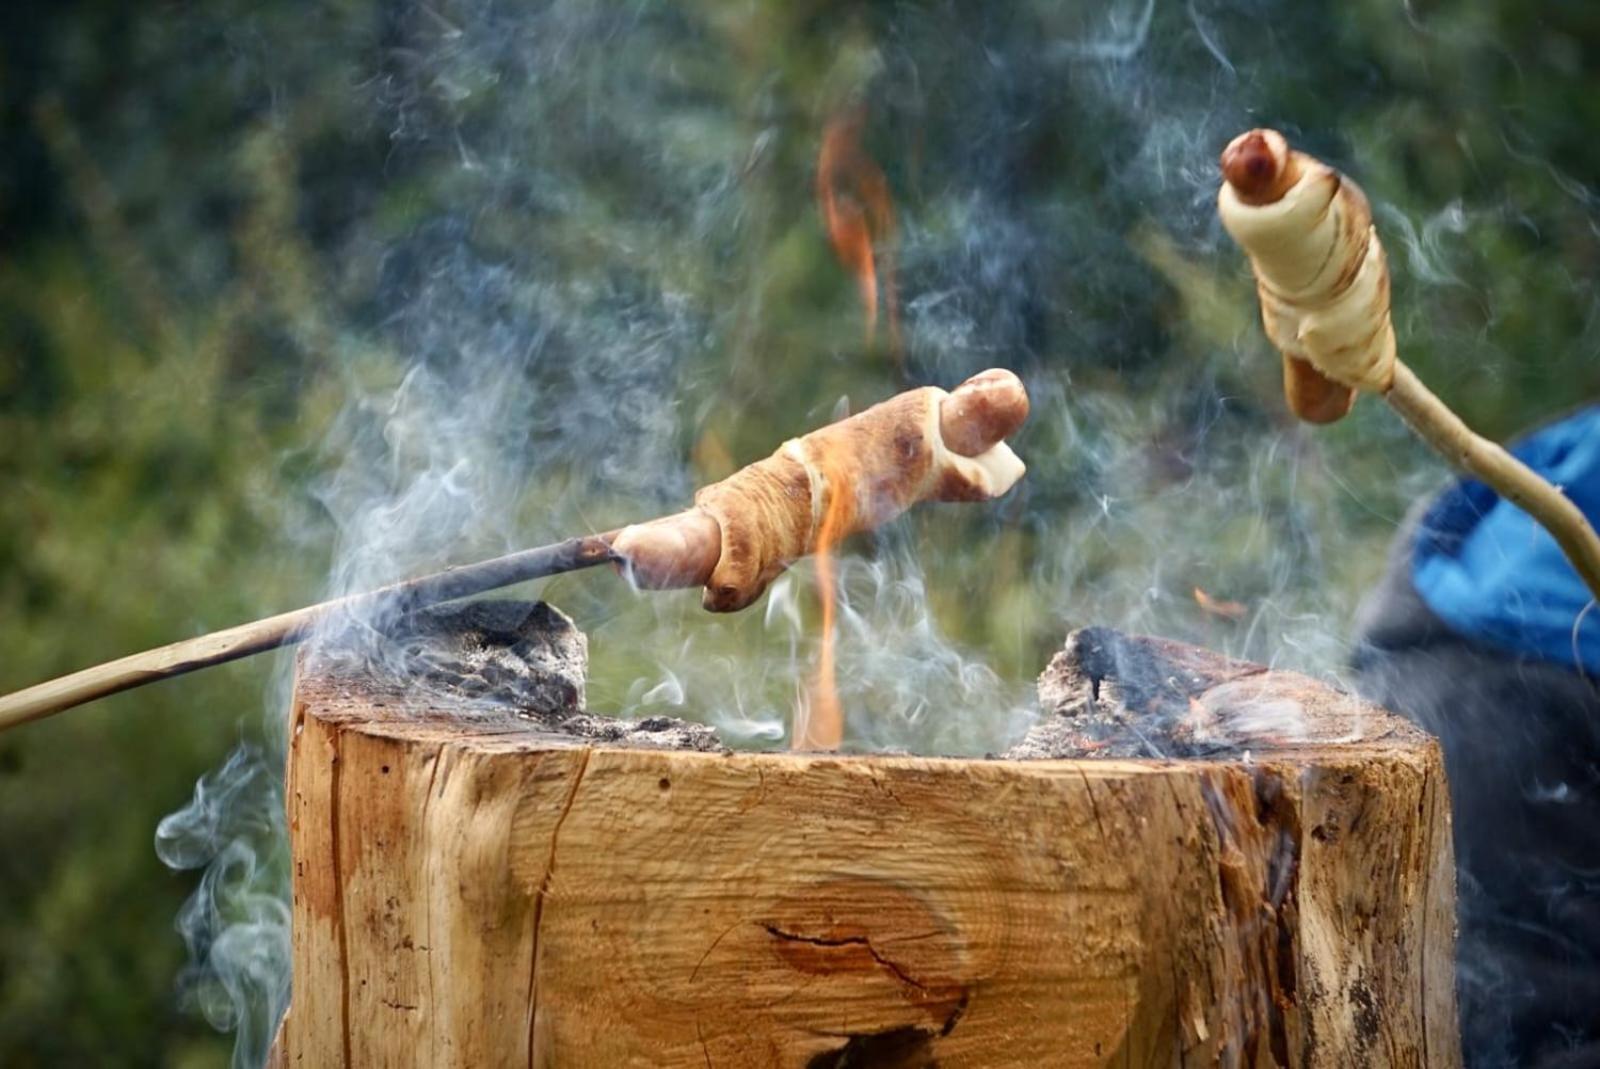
1179,1038
696,970
701,1036
336,777
539,897
1426,815
1094,806
427,890
844,941
1258,836
882,787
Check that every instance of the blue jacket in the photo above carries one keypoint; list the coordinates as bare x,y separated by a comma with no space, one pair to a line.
1470,576
1492,574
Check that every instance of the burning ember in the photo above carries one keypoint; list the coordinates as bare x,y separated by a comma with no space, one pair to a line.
1111,695
503,665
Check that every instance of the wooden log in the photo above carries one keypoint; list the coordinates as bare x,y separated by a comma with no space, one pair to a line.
475,887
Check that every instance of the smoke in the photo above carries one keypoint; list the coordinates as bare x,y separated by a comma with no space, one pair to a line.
236,923
583,275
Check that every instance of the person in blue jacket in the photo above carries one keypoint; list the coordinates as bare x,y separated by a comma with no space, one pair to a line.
1482,632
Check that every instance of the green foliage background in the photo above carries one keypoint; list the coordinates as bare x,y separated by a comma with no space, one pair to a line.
197,203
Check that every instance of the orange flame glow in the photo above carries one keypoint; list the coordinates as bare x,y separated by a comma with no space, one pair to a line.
1231,610
819,724
853,195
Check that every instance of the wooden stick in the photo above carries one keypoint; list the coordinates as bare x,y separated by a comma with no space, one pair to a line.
1509,477
57,695
974,420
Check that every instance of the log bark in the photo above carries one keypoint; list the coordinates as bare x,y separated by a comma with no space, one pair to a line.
474,888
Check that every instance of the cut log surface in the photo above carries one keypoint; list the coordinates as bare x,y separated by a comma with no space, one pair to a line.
483,883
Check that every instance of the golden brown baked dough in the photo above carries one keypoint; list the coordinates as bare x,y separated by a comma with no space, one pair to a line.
987,408
856,474
870,468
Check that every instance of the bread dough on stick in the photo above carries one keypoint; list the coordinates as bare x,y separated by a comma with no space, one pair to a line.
866,469
1320,271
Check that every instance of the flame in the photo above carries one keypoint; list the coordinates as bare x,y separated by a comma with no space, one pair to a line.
1232,610
853,195
819,723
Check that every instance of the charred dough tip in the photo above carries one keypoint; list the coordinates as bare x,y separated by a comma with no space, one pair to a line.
1250,165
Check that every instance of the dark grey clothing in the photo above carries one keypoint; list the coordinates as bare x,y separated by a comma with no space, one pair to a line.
1521,742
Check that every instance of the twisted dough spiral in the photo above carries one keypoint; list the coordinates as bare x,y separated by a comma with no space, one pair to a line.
865,470
850,476
1320,268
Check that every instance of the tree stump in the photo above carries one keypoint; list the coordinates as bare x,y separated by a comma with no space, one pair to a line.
486,883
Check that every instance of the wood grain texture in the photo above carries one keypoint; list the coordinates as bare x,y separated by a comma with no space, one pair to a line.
469,892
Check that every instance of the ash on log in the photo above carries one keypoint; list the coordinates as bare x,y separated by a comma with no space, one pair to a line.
485,875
